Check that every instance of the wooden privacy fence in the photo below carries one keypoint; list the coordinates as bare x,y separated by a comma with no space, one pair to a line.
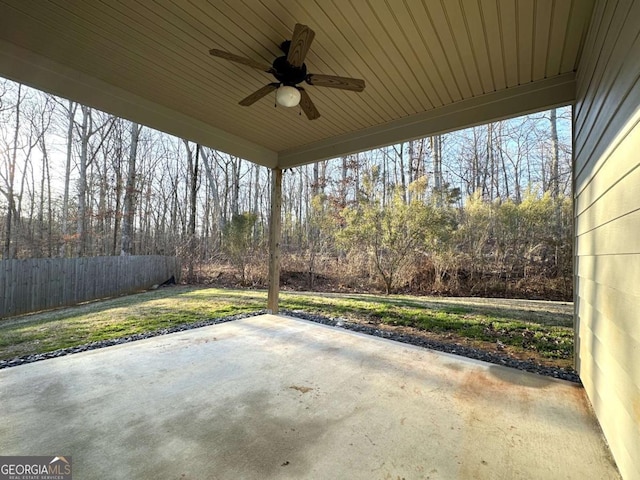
43,283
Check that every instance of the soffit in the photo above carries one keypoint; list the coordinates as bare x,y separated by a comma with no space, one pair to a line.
421,59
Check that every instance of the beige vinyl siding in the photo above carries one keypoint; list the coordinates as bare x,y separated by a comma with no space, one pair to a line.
607,209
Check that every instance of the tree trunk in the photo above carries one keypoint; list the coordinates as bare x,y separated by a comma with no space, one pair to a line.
256,189
82,180
130,194
45,186
315,186
64,229
343,183
503,163
236,167
194,197
436,151
554,183
117,218
494,191
215,195
8,251
403,178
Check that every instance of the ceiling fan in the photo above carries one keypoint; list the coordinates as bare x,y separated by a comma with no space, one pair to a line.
290,70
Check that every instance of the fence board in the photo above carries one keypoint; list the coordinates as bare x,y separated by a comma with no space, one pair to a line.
42,283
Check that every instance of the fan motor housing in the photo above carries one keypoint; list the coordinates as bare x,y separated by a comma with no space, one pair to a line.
286,73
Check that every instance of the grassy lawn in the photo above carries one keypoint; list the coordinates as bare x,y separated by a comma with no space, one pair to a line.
539,331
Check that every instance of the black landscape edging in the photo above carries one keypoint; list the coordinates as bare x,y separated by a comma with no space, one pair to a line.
455,349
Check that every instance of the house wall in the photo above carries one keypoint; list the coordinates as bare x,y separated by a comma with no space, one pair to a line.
607,209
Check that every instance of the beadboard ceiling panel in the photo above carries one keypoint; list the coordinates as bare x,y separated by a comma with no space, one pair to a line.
425,63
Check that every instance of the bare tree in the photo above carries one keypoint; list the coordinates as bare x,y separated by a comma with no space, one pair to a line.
554,180
86,158
71,113
192,162
9,179
130,193
214,193
436,152
41,124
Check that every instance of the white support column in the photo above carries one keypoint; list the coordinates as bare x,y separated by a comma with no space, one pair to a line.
275,234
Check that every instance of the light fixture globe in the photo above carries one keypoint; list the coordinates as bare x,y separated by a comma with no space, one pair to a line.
287,96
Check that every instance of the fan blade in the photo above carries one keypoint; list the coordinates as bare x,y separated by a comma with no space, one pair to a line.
300,43
238,59
255,96
307,105
331,81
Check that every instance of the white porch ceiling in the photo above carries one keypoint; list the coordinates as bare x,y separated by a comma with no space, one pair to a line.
430,66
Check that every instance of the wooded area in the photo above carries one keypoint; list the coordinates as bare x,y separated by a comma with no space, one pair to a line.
482,211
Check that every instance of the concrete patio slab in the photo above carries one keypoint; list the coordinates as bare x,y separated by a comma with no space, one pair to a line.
276,397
